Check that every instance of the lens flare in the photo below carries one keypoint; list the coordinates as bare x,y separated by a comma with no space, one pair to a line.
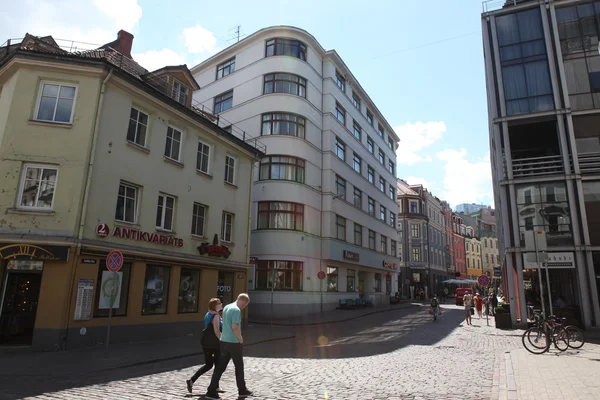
322,341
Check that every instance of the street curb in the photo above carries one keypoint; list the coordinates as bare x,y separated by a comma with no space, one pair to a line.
511,385
332,322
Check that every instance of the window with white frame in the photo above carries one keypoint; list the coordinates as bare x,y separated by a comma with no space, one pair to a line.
179,92
165,212
357,163
391,167
382,213
356,130
415,230
173,144
56,102
356,101
203,158
138,125
391,192
38,185
383,244
380,130
223,102
230,170
369,117
198,219
371,207
390,143
370,145
381,157
340,185
340,113
382,184
127,201
371,174
357,197
227,227
340,81
226,68
340,149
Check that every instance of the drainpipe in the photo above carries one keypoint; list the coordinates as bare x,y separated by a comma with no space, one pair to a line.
91,154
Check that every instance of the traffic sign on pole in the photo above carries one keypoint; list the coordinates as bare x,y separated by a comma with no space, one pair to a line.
483,280
114,261
321,275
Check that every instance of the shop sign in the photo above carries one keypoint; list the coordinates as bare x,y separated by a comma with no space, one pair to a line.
34,252
497,271
134,234
88,261
554,260
223,289
214,250
253,260
390,265
415,265
352,256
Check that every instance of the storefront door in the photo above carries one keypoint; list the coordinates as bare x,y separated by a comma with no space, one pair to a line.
225,287
20,292
361,282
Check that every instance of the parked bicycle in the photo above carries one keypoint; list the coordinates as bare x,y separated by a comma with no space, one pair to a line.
537,339
576,336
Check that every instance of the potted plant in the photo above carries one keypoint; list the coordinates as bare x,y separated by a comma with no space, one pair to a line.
502,318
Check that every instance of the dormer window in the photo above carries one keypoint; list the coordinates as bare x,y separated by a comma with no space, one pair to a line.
179,92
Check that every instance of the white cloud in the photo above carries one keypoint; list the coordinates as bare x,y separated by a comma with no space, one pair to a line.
156,59
199,40
466,181
125,13
415,180
415,137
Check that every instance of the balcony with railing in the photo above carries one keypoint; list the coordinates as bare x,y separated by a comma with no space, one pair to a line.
589,163
493,5
534,166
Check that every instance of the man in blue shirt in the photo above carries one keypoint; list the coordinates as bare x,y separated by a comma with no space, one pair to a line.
231,348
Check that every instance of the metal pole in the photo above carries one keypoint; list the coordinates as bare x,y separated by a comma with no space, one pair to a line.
113,295
537,260
272,293
321,290
549,290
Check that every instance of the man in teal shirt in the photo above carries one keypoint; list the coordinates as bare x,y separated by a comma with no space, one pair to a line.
231,348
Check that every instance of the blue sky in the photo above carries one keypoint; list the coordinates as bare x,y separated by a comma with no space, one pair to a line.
420,61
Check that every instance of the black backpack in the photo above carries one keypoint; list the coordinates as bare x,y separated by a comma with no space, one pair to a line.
434,303
209,339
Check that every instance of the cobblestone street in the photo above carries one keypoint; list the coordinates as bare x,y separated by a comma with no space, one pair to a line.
399,354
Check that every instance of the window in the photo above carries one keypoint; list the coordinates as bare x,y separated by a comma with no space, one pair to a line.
487,259
198,219
391,192
416,254
283,124
383,244
340,187
358,229
165,212
381,157
371,207
357,197
377,287
340,81
340,227
179,92
391,167
371,239
286,47
227,227
156,290
279,275
138,124
382,184
392,219
280,215
340,149
38,185
223,102
393,247
56,103
357,163
226,68
415,230
203,158
380,130
370,145
371,174
332,279
285,83
356,101
173,144
189,284
230,170
390,143
382,213
356,130
127,200
485,242
414,207
369,118
106,280
285,168
340,113
350,280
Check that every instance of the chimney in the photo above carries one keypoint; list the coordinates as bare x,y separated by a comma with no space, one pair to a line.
123,43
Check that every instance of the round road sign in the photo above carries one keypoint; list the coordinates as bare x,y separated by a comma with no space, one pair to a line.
114,261
483,280
321,275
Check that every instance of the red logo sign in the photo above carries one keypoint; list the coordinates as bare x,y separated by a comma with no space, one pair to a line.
321,275
134,234
390,265
214,250
102,230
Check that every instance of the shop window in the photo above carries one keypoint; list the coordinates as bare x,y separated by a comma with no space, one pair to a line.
283,275
332,279
351,280
388,284
189,283
377,287
105,286
156,290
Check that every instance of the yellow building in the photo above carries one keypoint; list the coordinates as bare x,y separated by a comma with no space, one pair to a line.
490,254
473,255
98,154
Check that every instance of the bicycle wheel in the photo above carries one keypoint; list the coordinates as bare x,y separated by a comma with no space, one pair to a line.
535,340
576,337
560,337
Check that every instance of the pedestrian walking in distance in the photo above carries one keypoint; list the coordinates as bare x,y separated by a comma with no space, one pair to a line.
478,305
468,303
435,307
231,348
210,341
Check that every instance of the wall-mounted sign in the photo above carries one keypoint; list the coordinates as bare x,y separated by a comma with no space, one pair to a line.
254,260
352,256
390,265
214,250
34,252
222,289
134,234
102,230
497,271
83,305
555,260
88,261
241,276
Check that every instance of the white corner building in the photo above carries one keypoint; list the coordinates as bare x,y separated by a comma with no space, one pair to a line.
324,199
